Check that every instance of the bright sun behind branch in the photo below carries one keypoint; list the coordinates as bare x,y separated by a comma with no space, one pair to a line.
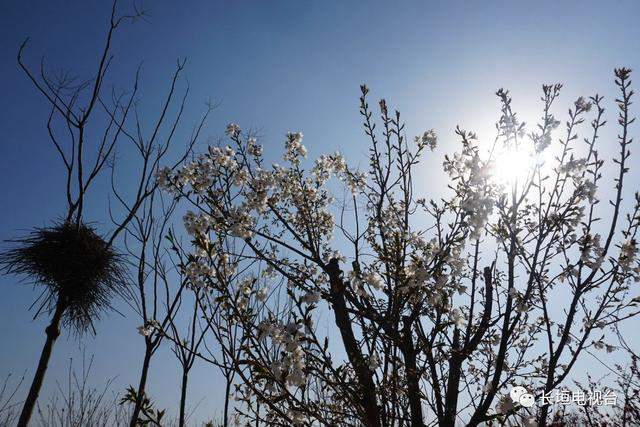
513,165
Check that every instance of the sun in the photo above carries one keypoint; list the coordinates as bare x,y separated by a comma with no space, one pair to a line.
513,165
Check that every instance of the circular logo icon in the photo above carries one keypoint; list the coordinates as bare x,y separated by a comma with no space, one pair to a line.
516,392
527,400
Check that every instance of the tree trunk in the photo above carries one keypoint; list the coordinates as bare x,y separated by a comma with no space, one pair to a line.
141,387
226,402
453,382
53,332
413,380
183,397
367,398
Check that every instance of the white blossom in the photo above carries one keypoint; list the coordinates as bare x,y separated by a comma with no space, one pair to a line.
428,138
148,328
233,130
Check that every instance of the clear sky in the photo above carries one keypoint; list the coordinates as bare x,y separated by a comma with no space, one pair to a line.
280,66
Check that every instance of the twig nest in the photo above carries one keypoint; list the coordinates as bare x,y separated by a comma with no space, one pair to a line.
75,264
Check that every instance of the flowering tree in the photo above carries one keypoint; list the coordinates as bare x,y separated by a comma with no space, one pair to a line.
436,306
625,411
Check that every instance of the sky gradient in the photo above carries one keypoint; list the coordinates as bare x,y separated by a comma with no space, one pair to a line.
275,67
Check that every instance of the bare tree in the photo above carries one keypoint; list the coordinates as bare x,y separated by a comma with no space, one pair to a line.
161,297
79,269
157,301
186,348
8,404
158,293
78,403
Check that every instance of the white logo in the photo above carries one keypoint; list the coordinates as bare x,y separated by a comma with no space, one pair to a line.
520,395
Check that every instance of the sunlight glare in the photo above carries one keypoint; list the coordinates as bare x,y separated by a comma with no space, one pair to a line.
513,165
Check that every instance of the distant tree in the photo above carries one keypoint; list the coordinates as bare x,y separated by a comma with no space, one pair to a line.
156,300
80,270
187,345
158,291
443,304
160,296
78,403
8,404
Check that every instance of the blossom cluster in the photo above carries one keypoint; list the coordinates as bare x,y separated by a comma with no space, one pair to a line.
475,191
149,327
291,365
294,149
427,139
628,254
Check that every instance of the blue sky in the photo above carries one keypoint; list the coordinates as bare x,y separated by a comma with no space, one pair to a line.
275,67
